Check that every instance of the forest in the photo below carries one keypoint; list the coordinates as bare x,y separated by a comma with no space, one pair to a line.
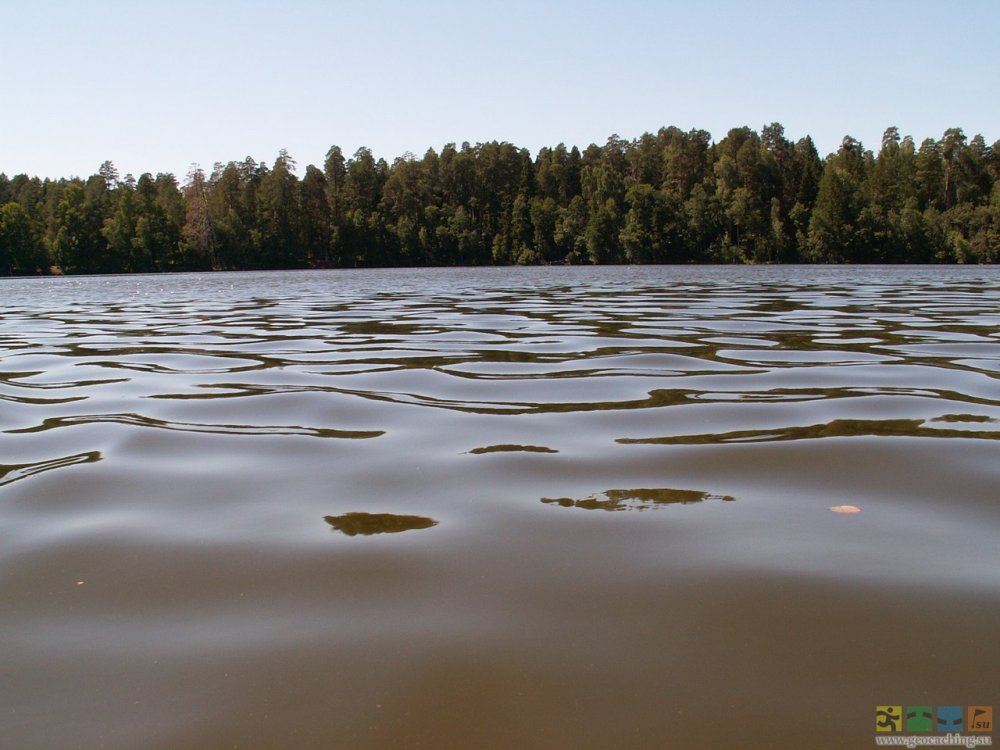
668,197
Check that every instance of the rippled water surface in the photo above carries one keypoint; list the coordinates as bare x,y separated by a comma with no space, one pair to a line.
519,508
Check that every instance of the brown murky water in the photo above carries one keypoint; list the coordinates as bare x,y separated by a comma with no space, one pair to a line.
521,508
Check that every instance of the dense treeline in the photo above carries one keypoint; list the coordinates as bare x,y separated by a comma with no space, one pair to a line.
669,197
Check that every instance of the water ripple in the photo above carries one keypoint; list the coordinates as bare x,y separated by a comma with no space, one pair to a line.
13,472
833,429
549,368
138,420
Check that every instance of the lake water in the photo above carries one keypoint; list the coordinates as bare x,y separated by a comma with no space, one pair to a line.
496,508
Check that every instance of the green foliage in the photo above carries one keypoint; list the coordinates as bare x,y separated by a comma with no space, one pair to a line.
19,251
196,249
833,229
602,234
654,226
77,244
668,197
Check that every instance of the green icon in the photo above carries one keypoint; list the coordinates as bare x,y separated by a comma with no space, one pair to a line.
919,719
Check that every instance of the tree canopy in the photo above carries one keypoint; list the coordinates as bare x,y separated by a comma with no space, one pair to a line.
665,197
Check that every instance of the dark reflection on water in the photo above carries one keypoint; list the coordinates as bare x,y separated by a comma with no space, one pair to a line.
138,420
12,472
981,418
640,499
512,449
366,524
836,428
166,581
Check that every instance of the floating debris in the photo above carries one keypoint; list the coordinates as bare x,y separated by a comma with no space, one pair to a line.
844,509
353,524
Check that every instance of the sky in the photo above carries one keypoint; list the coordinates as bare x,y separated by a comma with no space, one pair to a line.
156,86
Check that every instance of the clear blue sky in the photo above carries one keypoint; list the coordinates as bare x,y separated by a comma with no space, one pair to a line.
157,85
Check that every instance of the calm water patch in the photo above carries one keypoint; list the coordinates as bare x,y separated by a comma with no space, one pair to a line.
345,509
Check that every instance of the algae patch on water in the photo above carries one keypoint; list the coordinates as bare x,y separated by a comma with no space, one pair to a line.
510,448
353,524
637,499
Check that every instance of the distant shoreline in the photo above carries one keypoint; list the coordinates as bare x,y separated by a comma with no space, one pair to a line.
672,197
746,266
